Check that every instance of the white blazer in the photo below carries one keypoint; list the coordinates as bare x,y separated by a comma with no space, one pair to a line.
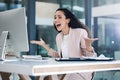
76,43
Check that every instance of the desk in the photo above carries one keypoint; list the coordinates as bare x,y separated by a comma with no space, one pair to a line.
49,67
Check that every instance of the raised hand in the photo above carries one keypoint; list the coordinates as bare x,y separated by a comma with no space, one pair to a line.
41,42
88,42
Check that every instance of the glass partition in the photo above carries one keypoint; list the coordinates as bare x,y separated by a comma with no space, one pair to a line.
104,2
106,25
10,4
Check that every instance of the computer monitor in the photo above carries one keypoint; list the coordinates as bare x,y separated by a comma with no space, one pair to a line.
13,31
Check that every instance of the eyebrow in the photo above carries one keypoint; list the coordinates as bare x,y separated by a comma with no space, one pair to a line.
57,15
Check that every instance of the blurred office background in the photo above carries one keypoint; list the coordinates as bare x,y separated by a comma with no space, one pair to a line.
101,16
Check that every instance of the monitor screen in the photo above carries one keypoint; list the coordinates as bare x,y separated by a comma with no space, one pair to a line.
14,21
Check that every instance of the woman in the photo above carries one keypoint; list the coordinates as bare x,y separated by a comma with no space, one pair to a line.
72,40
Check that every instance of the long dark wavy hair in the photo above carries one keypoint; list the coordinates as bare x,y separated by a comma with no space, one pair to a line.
74,21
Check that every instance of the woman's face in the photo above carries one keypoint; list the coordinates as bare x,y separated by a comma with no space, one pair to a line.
60,21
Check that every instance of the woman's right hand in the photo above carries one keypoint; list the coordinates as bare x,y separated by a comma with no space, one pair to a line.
41,42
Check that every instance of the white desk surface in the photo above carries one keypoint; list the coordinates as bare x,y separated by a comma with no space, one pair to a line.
49,67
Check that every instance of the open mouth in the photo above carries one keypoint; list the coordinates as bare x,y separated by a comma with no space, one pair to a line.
58,25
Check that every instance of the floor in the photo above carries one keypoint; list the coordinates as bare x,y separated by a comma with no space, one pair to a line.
13,77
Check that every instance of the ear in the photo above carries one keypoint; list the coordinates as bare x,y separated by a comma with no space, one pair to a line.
68,20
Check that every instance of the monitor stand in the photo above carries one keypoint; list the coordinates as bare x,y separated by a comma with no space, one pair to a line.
3,39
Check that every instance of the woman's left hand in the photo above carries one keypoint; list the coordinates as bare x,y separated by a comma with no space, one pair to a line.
88,42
